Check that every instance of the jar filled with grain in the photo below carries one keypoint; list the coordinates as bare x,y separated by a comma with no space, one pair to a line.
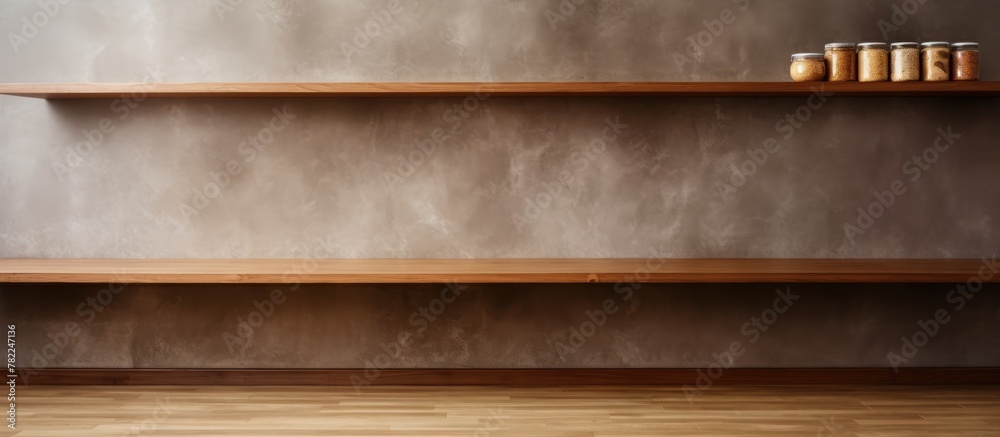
905,61
841,62
808,67
935,61
965,61
873,62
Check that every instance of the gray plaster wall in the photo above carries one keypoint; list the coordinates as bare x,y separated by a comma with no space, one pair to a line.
507,177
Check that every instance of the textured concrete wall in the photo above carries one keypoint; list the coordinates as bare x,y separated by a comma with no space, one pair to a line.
508,178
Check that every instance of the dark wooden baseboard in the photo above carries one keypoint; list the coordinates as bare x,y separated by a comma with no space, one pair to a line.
510,377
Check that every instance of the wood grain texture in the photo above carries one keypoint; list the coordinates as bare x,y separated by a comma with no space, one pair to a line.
508,89
509,377
501,411
509,270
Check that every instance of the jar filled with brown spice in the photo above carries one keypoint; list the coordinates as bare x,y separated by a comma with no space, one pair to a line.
905,61
873,62
936,61
808,67
965,61
841,62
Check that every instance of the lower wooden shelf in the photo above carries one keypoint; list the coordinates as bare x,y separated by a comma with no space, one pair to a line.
510,377
505,270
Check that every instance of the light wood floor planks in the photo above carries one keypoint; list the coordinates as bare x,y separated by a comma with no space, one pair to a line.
84,411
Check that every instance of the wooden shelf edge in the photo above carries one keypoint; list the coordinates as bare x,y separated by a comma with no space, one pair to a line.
494,89
510,377
505,270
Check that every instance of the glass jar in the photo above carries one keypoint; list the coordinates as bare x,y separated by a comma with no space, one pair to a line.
841,62
965,61
905,61
808,67
936,61
873,62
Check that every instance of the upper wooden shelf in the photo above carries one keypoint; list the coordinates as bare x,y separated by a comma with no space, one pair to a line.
547,270
500,89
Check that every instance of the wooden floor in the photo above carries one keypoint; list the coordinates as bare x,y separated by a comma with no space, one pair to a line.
83,411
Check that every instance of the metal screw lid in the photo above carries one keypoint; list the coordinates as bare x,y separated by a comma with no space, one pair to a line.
803,56
873,45
840,46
